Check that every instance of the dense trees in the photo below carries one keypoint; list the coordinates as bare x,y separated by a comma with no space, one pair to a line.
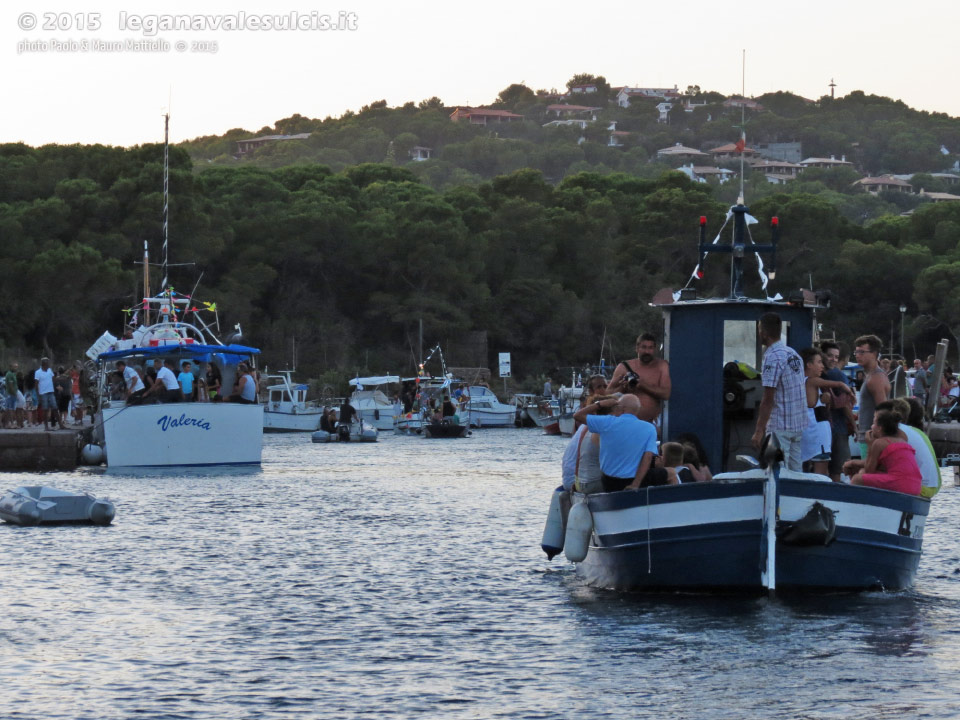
346,263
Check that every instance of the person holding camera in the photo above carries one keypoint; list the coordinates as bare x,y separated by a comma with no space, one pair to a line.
645,376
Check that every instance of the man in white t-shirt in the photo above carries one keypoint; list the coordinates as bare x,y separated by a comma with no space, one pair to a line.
48,401
133,383
166,388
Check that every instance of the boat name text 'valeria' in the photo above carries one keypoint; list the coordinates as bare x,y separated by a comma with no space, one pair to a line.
172,422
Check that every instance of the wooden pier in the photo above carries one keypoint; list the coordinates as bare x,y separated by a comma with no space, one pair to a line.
34,448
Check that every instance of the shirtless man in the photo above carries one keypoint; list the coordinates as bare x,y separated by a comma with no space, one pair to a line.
875,389
652,385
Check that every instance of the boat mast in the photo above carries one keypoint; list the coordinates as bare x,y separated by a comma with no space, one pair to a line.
146,284
166,197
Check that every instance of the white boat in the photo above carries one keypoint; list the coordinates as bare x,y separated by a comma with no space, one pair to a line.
546,414
483,409
286,408
372,405
177,433
430,390
174,433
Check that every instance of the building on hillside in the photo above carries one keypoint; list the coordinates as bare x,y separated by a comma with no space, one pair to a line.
574,122
704,173
730,152
247,146
483,116
830,162
579,111
739,102
783,170
616,136
418,153
883,183
939,196
588,89
948,178
628,93
680,151
790,152
664,109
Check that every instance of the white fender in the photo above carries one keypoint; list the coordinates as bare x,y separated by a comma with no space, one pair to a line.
552,540
579,528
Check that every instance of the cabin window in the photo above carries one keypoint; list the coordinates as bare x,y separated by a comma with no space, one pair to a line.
741,343
274,396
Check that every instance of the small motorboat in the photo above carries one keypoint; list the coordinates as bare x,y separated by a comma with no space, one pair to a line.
42,505
444,429
357,432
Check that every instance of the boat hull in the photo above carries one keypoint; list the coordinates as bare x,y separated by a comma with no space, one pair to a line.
380,419
444,430
291,422
710,537
176,434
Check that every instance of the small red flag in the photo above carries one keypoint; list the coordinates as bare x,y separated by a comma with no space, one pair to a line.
741,144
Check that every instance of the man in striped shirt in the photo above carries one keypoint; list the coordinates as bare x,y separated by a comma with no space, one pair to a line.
783,409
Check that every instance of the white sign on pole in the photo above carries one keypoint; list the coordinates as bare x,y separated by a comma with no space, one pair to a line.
504,365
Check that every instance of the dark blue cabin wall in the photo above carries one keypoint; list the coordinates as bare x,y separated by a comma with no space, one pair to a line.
694,334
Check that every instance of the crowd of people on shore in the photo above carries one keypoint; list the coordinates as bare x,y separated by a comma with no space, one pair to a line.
808,403
42,396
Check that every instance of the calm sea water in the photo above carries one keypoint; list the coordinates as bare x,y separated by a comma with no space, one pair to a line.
405,579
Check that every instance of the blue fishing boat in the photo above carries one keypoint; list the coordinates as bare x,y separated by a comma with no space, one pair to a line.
753,528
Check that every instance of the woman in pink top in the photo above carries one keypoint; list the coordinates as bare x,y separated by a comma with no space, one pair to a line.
891,463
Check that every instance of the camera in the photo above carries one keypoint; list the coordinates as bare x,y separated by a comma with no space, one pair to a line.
632,379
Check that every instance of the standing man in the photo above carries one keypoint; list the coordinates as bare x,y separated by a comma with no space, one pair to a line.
48,400
783,409
645,376
921,382
842,422
875,388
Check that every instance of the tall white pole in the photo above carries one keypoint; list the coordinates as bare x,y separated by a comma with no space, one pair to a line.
166,198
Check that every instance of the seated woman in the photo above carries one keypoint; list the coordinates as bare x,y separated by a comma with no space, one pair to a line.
891,463
328,421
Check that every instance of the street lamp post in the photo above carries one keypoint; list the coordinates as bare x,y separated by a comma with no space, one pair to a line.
903,309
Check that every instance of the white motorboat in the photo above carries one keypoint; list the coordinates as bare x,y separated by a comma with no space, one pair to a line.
483,409
286,408
177,433
174,433
546,414
372,405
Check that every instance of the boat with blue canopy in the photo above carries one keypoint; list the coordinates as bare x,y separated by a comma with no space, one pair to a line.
206,432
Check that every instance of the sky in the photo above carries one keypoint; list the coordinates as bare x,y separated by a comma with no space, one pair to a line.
69,77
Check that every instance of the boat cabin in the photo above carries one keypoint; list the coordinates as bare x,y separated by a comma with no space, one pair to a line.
715,354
